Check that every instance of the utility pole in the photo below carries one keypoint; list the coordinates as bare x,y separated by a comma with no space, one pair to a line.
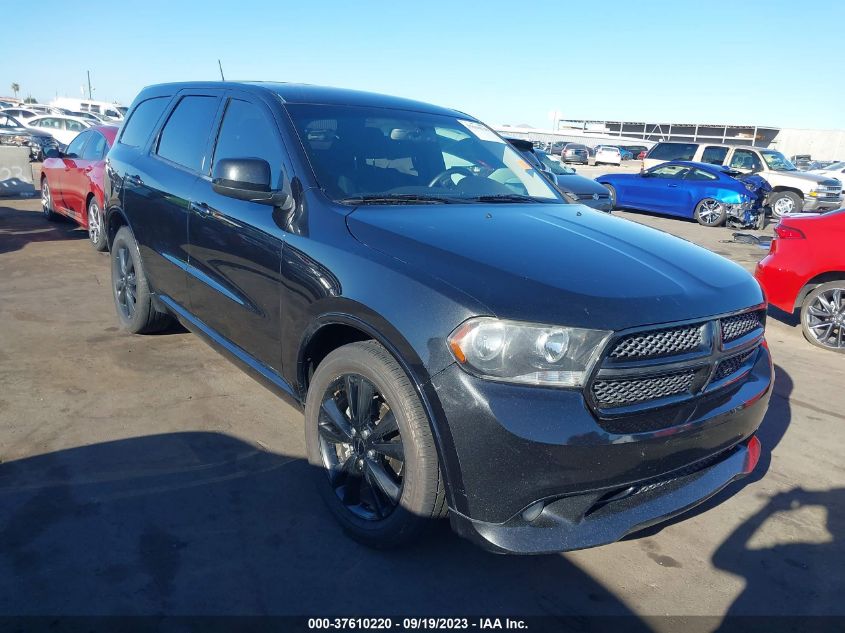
222,78
89,84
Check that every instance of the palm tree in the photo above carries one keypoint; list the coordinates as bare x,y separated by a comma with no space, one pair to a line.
15,88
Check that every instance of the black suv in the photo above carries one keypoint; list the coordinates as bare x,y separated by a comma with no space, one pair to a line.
462,340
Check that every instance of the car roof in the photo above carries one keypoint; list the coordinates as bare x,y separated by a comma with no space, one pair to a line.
109,131
306,93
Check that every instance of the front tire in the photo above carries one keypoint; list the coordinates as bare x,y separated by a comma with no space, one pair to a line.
131,291
710,212
96,228
784,202
823,316
612,191
368,440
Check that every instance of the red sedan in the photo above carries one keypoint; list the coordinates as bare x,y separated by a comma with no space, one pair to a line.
805,268
72,181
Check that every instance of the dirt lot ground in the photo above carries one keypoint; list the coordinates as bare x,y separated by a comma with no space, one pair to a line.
148,475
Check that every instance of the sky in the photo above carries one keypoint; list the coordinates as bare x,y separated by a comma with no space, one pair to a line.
777,63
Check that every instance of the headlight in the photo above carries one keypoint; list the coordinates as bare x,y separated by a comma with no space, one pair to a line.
527,353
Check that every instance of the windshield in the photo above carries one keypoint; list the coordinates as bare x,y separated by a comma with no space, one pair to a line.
835,166
364,155
777,161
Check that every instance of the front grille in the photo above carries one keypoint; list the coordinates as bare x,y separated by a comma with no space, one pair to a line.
589,196
731,365
615,393
659,343
653,380
734,327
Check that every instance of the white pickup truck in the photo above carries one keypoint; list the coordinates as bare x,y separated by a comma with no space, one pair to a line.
793,191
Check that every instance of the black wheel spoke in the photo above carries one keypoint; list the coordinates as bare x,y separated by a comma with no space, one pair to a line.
378,503
350,386
383,480
364,408
393,450
385,427
333,423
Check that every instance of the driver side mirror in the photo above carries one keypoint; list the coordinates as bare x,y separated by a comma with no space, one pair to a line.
53,153
647,174
246,179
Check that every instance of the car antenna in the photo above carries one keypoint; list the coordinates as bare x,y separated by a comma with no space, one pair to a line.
222,78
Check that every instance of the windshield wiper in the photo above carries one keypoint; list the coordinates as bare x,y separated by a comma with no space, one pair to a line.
505,197
397,198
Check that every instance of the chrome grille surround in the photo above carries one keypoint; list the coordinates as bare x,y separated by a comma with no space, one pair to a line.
651,378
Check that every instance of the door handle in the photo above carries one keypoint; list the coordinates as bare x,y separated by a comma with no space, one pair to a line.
201,209
673,186
134,179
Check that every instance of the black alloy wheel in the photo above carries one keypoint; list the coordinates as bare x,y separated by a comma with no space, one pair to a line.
361,447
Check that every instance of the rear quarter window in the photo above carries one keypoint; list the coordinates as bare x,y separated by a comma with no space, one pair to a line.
673,151
142,120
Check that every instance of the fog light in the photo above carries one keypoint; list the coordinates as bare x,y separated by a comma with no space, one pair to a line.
533,511
754,447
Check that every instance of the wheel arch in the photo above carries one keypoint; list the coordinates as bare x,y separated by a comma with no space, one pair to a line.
818,280
332,330
783,188
115,218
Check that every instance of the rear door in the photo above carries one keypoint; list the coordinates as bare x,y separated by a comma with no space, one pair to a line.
235,246
158,185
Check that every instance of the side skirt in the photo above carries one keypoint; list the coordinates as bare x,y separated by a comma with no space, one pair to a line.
256,369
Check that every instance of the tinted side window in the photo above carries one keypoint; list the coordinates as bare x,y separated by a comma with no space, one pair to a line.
74,150
673,151
247,133
184,136
714,155
95,150
142,120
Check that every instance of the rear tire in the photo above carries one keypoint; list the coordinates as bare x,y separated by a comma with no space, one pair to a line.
710,212
822,320
131,291
96,227
373,455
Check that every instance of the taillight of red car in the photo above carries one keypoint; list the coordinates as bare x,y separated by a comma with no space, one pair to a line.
788,233
784,232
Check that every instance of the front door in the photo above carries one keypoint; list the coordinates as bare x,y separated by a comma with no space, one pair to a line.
235,247
665,190
63,189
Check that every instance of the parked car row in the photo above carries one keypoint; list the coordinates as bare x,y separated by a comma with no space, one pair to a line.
311,235
13,132
793,191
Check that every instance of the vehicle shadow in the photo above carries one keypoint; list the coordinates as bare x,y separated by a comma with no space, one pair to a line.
204,523
793,319
788,548
772,430
19,227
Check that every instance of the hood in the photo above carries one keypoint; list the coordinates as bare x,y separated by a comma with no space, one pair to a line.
797,176
579,184
558,263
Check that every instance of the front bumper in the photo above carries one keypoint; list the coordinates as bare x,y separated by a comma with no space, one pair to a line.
821,204
521,446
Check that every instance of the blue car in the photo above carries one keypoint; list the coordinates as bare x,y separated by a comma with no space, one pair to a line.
708,193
